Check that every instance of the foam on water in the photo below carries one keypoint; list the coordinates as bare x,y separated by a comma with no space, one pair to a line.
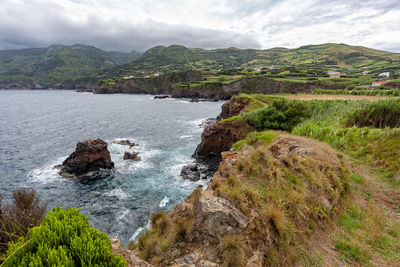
117,192
139,231
47,173
164,202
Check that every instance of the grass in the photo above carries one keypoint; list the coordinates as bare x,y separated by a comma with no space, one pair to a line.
252,138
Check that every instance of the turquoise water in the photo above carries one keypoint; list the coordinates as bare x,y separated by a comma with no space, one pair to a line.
39,129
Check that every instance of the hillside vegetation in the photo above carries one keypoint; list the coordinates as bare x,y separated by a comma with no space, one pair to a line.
325,56
55,65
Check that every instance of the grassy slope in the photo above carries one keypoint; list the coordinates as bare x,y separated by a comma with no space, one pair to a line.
362,230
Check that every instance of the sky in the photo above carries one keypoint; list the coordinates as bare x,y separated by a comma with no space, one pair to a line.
125,25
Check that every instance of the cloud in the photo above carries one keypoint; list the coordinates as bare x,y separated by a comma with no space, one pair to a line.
137,24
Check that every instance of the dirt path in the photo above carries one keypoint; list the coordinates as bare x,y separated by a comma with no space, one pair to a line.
336,97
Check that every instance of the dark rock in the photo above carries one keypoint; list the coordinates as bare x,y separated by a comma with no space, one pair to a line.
89,157
194,100
132,156
160,96
125,143
191,172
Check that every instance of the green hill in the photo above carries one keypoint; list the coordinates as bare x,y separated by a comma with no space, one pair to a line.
50,67
325,56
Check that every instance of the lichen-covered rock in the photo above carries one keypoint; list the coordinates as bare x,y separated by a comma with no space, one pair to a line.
89,157
216,217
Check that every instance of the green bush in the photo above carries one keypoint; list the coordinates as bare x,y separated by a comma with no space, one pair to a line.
63,239
282,114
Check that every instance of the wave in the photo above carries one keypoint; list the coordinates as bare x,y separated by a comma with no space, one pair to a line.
163,202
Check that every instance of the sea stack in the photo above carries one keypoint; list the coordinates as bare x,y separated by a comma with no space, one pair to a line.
89,157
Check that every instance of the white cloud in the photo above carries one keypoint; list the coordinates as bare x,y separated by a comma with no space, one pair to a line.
138,24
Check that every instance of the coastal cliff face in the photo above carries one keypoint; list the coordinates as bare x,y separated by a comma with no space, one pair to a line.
221,135
262,85
163,84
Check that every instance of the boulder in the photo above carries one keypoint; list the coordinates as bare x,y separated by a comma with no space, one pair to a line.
216,217
191,172
132,156
89,157
194,100
125,143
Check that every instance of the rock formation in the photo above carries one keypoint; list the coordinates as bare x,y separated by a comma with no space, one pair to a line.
132,156
217,217
89,157
160,96
125,143
191,172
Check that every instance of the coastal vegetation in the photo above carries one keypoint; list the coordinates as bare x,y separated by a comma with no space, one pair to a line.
298,194
64,238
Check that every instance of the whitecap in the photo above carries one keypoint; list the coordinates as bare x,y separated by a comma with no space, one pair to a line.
47,173
164,202
139,231
186,136
117,192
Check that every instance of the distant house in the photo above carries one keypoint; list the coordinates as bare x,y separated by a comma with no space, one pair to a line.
378,83
365,72
334,74
156,74
384,75
257,69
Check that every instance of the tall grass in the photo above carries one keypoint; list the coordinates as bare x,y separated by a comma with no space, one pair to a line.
377,114
17,217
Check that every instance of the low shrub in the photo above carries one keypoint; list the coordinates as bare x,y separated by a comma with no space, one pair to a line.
17,217
281,114
64,238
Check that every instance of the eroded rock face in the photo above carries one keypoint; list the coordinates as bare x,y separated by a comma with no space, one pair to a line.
216,217
233,107
220,137
130,256
89,157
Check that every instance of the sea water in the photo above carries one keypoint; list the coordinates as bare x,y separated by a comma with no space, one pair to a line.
39,129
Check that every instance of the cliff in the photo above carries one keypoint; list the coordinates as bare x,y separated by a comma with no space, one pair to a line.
162,84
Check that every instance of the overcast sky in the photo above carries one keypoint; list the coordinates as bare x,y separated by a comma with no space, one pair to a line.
126,25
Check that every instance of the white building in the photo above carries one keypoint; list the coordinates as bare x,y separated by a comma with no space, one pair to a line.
384,74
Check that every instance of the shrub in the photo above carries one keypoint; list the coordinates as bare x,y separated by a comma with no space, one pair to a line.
16,218
282,114
63,239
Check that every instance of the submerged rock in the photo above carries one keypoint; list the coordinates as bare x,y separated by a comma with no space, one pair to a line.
132,156
125,143
89,157
160,96
216,217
